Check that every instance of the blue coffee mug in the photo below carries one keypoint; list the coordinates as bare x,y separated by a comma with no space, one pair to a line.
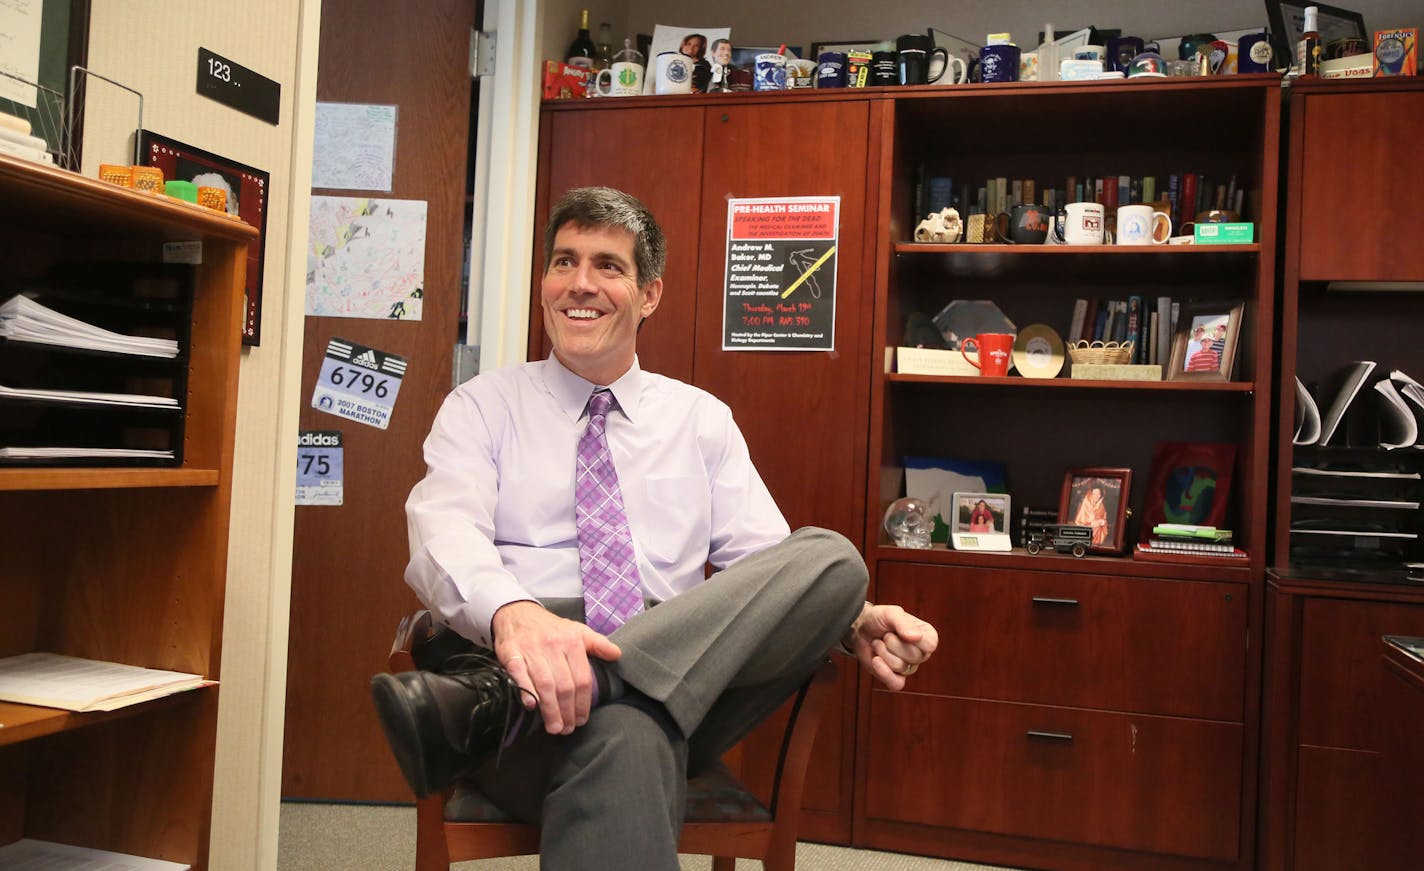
770,72
1254,53
831,69
999,63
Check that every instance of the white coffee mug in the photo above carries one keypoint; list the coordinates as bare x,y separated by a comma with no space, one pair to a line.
1140,224
940,73
674,73
620,80
1080,224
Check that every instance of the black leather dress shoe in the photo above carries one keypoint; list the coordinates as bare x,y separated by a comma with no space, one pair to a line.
440,724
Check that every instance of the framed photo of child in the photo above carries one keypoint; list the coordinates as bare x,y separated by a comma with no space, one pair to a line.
981,512
1097,498
1204,344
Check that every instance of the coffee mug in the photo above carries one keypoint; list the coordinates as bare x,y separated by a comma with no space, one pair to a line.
831,69
938,70
1080,224
884,68
674,73
999,63
1253,53
800,73
1122,50
739,79
770,72
1098,53
1025,224
915,54
993,349
1140,224
1209,216
620,80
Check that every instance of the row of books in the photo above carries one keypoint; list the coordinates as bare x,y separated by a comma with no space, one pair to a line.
1183,194
1147,323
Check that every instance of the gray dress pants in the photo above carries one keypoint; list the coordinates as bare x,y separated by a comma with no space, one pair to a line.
702,670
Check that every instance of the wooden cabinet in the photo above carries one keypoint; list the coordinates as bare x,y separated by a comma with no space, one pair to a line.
803,413
1324,797
123,564
1084,713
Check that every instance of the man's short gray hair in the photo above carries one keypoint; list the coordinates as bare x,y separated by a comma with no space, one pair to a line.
605,207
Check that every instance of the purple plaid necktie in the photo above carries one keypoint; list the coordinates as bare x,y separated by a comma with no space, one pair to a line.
610,574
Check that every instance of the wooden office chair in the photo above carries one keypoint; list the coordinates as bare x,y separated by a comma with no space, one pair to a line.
724,820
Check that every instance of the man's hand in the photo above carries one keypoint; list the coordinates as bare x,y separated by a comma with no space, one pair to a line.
548,656
890,643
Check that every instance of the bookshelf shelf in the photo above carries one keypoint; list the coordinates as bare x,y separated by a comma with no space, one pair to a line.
967,250
1018,558
104,478
20,723
1017,383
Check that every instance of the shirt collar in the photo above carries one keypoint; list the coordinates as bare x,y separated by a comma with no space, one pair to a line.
571,391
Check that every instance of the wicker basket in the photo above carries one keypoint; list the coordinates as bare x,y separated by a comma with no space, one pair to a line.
1100,352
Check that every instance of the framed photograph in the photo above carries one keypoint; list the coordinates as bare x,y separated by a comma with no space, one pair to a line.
246,189
1287,19
1097,498
1204,345
847,45
981,512
1190,482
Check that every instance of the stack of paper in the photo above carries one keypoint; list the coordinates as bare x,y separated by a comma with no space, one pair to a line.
24,320
81,397
53,681
68,453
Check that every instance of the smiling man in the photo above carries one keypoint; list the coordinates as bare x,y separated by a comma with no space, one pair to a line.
561,534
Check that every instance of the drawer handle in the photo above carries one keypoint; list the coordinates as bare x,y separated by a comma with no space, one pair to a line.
1051,736
1056,602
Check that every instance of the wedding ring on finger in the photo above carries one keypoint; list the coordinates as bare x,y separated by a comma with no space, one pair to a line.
910,669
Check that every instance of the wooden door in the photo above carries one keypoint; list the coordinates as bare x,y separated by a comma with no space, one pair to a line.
348,561
655,154
804,413
1359,167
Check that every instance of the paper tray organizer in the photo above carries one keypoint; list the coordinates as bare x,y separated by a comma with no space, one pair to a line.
146,299
1356,506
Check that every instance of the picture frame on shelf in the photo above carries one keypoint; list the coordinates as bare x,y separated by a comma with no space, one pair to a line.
1204,344
1188,482
980,521
1287,20
846,45
1097,497
247,190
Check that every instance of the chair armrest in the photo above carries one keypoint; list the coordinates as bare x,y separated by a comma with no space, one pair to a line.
413,630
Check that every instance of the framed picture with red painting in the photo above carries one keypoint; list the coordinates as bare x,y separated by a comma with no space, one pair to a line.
1190,482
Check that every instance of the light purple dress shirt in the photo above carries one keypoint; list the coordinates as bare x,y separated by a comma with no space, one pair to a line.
492,522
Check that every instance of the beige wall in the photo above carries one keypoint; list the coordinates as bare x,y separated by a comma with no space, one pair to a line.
152,46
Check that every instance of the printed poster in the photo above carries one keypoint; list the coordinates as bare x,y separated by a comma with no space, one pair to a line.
781,274
366,258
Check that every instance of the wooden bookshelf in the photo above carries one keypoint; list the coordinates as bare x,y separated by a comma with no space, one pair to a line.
120,563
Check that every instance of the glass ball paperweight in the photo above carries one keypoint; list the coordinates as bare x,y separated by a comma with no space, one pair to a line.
909,522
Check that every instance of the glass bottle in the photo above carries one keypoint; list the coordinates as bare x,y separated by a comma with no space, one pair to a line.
581,50
604,58
1307,48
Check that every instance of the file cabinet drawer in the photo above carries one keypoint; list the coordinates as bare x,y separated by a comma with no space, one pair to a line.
1129,781
1092,641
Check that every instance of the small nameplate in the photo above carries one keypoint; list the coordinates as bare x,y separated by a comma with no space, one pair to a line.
237,86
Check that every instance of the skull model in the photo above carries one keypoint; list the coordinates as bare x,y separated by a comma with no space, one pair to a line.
909,522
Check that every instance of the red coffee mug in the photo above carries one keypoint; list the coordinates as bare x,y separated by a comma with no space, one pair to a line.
994,350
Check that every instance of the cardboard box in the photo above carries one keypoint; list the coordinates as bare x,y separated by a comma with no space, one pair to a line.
1116,372
1225,233
857,69
564,82
1396,52
1360,66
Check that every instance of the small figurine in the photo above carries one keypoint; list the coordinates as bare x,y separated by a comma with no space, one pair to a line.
941,226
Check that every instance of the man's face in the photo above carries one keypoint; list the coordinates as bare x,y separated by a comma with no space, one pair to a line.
592,302
724,53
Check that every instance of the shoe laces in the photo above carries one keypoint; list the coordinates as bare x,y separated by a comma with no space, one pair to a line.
481,672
